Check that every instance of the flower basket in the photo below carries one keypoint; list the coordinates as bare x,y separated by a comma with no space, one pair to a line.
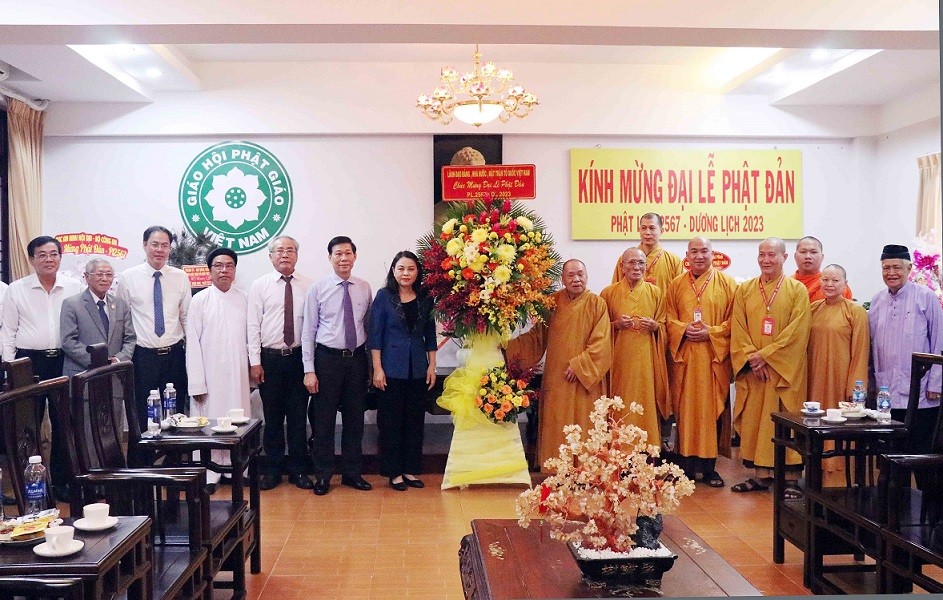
627,570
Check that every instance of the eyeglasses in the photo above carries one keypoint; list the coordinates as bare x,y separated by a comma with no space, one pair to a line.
101,275
45,255
224,266
893,268
284,251
159,246
634,262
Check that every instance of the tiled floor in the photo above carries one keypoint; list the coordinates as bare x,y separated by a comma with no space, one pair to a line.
389,544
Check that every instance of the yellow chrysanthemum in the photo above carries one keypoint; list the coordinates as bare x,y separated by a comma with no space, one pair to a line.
479,235
502,274
505,253
525,223
449,226
454,247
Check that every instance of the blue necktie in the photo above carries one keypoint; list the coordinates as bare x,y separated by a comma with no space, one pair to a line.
104,316
350,329
158,305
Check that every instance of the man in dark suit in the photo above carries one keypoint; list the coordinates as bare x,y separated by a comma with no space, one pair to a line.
93,317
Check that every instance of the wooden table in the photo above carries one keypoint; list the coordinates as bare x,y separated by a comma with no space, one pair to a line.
792,519
112,563
501,560
244,446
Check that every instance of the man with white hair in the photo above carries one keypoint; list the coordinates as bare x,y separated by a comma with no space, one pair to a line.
904,319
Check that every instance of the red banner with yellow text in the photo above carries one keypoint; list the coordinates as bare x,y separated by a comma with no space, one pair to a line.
721,194
91,243
514,182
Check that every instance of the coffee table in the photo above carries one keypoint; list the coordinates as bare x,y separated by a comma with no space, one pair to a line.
501,560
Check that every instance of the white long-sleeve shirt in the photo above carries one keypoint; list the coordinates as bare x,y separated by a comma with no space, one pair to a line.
266,322
31,314
136,287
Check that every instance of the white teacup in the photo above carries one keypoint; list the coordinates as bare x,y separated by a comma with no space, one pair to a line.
223,422
811,406
59,538
237,414
833,414
96,514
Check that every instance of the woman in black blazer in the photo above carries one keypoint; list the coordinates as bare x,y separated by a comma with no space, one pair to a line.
402,342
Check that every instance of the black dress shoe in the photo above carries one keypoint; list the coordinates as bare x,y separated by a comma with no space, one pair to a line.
302,482
8,500
210,488
322,486
225,480
267,482
416,483
399,486
357,482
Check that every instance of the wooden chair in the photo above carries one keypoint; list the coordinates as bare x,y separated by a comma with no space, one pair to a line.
22,411
58,588
851,519
913,536
226,531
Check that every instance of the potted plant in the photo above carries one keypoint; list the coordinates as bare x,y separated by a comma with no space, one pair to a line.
606,497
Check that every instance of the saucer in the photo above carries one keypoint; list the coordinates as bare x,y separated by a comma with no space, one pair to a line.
188,426
44,549
859,415
241,421
811,412
838,420
84,525
219,429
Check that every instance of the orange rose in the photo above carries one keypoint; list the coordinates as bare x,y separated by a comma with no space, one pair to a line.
507,407
489,408
499,415
478,401
525,402
492,399
506,389
521,384
484,380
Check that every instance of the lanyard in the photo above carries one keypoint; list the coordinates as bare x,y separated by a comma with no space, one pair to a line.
769,302
649,268
703,287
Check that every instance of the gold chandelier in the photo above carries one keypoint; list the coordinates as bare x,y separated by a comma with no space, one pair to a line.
477,97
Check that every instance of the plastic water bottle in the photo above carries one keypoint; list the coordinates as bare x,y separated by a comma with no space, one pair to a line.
858,396
2,516
35,478
170,401
153,413
884,403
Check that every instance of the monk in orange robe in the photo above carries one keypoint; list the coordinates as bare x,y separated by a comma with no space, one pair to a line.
839,344
639,372
661,266
809,259
578,344
768,341
699,309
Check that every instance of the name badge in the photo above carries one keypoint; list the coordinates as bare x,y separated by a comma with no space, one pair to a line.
697,315
768,326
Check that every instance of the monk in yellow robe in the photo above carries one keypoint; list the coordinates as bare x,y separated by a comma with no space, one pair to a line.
839,344
639,372
768,341
578,344
661,266
699,307
809,257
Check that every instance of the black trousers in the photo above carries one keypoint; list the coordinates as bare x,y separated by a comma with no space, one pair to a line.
153,371
285,407
49,368
401,416
342,385
920,436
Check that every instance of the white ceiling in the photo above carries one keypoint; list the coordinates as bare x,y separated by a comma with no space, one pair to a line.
68,52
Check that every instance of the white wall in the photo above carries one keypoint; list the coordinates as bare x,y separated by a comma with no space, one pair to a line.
377,189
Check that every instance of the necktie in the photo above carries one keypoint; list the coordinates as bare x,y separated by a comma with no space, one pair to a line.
350,330
104,316
158,305
288,331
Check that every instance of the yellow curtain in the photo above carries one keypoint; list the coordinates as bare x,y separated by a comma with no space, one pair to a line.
929,209
25,127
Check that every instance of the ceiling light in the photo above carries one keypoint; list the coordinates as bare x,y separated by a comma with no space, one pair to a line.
478,96
152,73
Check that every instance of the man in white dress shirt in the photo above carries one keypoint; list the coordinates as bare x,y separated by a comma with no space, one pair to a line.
336,313
276,307
159,296
3,292
31,313
217,359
